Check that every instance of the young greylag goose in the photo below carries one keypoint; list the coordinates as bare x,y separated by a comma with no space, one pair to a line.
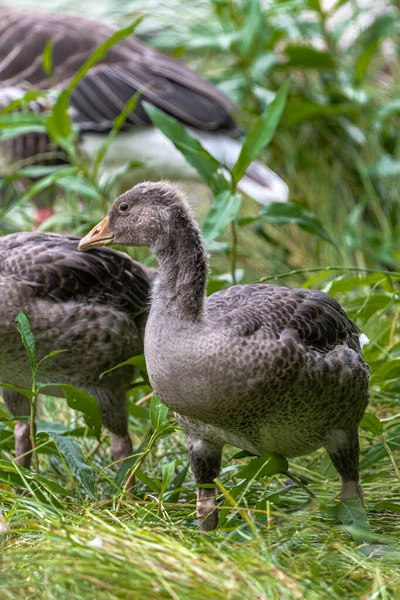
92,305
261,367
100,97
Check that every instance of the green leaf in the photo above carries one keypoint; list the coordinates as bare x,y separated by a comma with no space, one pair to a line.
307,57
297,111
153,484
266,465
28,339
118,123
386,505
378,451
158,412
371,423
168,473
197,156
261,133
88,405
27,393
11,132
284,213
80,186
223,211
41,185
364,60
389,370
75,461
47,58
354,518
138,361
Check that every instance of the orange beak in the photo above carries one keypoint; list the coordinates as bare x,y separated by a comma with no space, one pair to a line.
99,236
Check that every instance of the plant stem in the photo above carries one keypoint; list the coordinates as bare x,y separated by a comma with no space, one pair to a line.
334,268
234,251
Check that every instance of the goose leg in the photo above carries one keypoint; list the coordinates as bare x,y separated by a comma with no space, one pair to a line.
19,406
344,451
114,413
205,461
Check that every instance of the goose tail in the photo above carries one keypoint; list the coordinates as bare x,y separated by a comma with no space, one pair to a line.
259,181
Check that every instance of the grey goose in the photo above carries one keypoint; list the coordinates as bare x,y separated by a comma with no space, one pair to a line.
94,306
261,367
100,97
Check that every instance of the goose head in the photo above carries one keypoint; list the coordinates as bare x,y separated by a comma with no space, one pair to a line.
146,215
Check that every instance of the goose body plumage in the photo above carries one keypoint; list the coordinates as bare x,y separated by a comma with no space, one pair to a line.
128,67
92,306
262,367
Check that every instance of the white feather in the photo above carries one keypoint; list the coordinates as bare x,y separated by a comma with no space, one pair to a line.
160,159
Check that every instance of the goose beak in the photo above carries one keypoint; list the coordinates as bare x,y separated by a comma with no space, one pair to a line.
99,236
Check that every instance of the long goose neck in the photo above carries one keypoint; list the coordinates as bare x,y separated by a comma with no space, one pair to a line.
181,284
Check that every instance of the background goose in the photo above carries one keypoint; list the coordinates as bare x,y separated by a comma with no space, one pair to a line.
262,367
93,305
128,67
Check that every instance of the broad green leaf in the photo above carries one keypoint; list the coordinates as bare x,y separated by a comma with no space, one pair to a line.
223,211
371,423
354,518
158,412
47,58
261,133
307,57
28,339
197,156
88,405
266,465
75,461
284,213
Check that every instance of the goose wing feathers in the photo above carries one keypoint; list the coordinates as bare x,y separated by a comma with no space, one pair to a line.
310,317
127,68
51,267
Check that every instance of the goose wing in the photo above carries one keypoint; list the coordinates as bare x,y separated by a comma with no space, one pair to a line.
310,317
51,267
127,68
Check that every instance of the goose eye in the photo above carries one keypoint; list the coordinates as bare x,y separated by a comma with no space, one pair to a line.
123,207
